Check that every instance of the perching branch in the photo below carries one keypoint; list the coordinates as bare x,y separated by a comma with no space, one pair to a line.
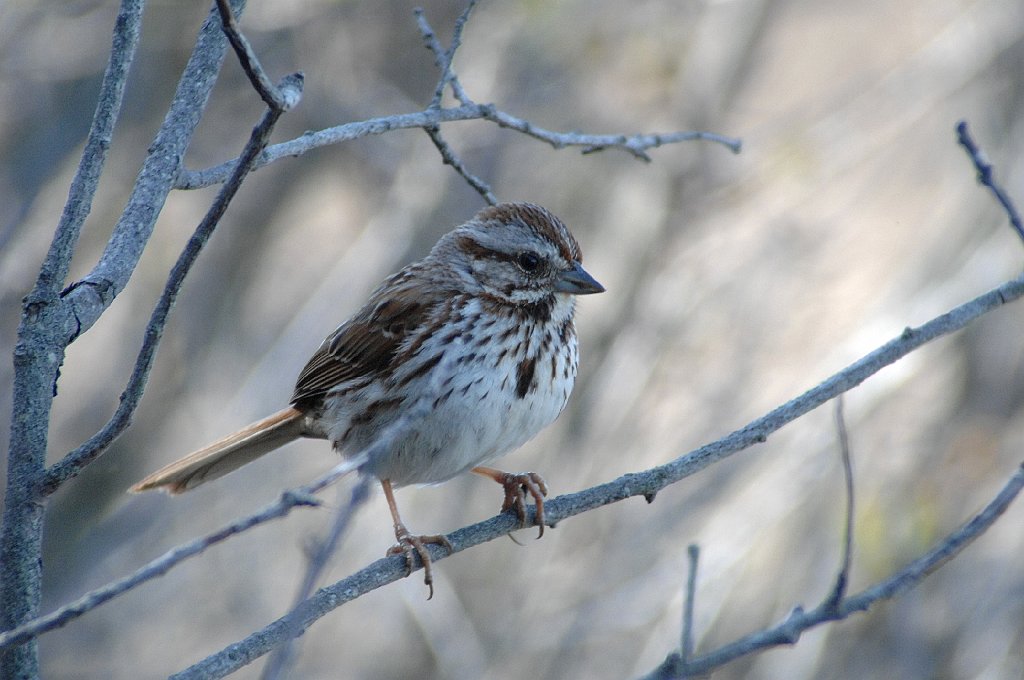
836,605
385,441
280,660
644,484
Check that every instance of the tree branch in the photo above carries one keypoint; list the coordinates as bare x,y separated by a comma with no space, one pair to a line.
85,300
303,496
788,631
449,157
986,177
274,97
279,100
158,567
290,499
74,462
689,602
127,27
39,354
843,577
443,58
280,660
634,144
645,484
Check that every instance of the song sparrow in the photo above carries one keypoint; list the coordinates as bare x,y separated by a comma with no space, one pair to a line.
480,331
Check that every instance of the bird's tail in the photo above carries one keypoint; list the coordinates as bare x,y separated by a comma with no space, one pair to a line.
227,454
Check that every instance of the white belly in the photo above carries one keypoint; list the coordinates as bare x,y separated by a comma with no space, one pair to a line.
477,404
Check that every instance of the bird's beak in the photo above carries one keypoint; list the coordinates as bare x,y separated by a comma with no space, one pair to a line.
577,281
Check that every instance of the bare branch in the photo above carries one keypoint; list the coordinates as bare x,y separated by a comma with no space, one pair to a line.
644,484
443,58
276,98
450,158
843,577
85,300
686,644
73,463
38,355
303,496
97,145
157,567
280,660
788,631
986,177
634,144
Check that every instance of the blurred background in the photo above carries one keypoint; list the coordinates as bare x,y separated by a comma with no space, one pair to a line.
734,283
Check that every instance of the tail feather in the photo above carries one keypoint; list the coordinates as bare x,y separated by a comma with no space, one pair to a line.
227,454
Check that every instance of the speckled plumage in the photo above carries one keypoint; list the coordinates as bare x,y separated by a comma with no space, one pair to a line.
467,309
477,339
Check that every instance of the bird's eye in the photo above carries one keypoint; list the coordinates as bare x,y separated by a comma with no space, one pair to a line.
528,261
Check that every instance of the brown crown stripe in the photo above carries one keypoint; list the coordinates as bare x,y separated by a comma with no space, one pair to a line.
542,222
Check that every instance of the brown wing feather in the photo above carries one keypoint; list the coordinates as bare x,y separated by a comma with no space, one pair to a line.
367,343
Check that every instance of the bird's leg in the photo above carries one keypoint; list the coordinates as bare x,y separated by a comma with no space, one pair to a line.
516,486
409,544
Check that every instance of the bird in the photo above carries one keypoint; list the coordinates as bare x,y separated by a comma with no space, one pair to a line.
455,360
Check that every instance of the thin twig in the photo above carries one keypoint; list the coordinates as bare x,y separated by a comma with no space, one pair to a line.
274,97
686,648
986,176
303,496
843,577
443,58
153,569
280,660
450,158
636,145
642,484
75,461
788,631
84,301
127,28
